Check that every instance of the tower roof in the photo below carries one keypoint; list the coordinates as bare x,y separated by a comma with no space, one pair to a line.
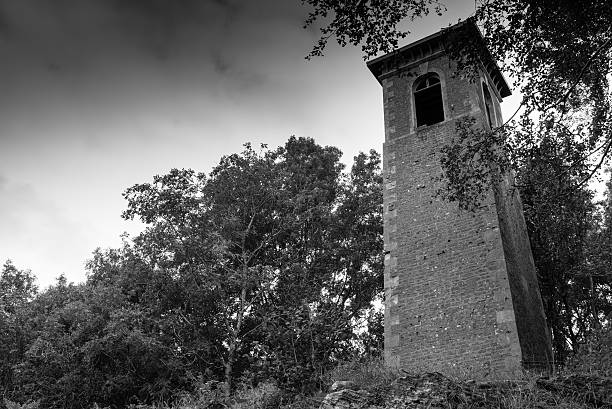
436,45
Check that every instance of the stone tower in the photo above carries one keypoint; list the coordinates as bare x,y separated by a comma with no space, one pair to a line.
461,293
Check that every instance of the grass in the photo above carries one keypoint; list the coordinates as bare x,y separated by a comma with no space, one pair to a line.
392,389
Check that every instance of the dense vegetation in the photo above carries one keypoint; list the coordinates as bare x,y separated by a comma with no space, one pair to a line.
262,270
268,271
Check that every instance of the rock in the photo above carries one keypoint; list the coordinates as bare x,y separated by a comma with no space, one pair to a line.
340,385
346,399
435,390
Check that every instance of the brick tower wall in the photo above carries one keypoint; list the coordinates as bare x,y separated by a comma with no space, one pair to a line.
528,309
449,277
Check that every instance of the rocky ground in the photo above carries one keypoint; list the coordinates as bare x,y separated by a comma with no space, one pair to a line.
434,390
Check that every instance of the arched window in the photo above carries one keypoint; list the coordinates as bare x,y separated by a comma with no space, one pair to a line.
489,105
428,100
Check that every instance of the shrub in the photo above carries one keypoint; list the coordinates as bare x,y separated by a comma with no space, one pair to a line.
14,405
368,373
595,357
212,394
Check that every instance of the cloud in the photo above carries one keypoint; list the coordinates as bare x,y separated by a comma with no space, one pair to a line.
151,23
4,25
72,38
236,79
82,29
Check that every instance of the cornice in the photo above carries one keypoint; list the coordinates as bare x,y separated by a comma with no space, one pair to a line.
433,46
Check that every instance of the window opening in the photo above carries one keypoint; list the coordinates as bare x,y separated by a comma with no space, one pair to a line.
488,105
428,100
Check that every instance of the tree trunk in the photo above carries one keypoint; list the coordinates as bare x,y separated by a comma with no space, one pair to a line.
233,346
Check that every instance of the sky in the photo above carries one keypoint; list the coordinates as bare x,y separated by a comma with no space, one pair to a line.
98,95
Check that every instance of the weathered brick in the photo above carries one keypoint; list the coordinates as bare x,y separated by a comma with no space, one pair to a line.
461,285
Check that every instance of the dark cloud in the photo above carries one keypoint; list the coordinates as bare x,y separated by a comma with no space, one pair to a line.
4,25
96,26
172,16
66,33
236,77
62,55
177,11
220,65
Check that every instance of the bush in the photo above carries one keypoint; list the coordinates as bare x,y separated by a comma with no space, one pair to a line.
368,373
212,394
14,405
595,357
265,396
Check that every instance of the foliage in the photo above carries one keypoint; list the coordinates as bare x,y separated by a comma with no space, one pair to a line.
89,344
599,253
371,24
558,55
251,284
266,269
286,246
562,223
595,357
14,405
367,372
472,161
562,74
17,288
426,390
212,394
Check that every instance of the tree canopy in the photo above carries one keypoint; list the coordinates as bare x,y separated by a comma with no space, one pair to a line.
269,267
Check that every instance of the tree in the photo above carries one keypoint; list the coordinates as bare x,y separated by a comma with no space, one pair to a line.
596,353
561,218
599,256
90,344
267,236
17,288
264,269
373,25
334,276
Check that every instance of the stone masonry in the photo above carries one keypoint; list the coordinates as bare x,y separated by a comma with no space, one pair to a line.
461,294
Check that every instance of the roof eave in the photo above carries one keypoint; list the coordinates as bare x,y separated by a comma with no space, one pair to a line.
404,57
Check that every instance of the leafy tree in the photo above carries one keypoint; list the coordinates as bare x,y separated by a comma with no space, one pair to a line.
596,353
264,269
90,344
268,237
371,24
337,264
561,217
45,370
599,256
560,57
17,288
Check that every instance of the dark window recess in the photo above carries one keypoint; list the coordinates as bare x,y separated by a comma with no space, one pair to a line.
428,101
488,105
